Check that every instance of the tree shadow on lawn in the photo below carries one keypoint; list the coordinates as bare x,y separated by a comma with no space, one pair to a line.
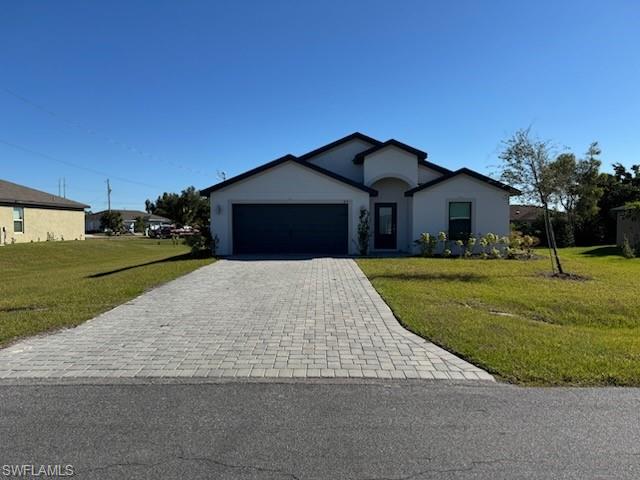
432,276
175,258
608,251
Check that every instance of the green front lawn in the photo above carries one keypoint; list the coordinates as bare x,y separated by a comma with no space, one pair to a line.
48,285
506,317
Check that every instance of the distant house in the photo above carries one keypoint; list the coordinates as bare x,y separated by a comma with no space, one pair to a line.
29,215
626,226
151,221
524,214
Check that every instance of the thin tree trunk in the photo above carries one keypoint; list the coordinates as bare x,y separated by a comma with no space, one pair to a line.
552,239
548,232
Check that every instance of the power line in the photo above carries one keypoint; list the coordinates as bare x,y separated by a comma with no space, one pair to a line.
93,132
75,165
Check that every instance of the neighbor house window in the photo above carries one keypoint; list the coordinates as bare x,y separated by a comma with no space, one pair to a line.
459,220
18,220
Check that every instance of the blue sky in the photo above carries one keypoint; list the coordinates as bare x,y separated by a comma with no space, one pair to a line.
161,95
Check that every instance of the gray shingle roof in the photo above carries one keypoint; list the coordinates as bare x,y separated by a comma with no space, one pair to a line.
131,215
525,213
14,194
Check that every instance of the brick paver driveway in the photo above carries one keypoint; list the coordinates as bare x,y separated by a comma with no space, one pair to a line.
244,318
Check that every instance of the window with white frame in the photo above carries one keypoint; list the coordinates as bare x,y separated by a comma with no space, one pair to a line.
18,220
459,220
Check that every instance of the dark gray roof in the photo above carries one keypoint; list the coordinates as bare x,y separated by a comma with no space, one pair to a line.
525,213
279,161
359,158
131,215
19,195
470,173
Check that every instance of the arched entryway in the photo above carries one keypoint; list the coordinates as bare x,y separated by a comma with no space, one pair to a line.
390,215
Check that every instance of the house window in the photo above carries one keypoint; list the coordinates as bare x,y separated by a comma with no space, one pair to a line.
18,220
459,220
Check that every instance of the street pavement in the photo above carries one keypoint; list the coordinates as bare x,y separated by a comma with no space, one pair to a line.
321,429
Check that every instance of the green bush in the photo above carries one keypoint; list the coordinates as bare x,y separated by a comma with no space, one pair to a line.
202,243
364,232
627,250
427,244
561,229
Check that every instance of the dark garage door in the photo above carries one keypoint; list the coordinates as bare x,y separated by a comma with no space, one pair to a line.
287,228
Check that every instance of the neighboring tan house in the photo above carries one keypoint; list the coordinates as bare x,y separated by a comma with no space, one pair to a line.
626,226
29,215
151,221
312,203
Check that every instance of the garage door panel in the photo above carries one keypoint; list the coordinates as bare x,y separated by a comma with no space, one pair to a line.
290,228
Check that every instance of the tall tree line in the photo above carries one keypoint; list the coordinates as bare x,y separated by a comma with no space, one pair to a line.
185,208
579,196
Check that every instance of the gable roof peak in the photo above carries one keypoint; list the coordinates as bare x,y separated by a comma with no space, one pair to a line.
278,161
392,142
340,141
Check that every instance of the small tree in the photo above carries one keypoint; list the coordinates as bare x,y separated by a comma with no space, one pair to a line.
525,165
138,226
632,211
627,249
364,231
111,221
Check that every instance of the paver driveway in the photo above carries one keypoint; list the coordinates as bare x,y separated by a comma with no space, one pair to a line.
316,317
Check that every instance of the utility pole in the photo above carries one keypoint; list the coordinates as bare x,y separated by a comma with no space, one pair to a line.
64,187
108,195
59,188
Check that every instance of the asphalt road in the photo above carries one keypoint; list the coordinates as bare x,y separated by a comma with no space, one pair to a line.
317,430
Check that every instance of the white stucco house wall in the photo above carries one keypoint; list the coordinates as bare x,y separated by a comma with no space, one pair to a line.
310,204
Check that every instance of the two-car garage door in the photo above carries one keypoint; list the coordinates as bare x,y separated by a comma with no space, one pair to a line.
290,228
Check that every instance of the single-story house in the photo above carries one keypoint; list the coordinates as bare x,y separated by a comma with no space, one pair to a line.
30,215
151,221
525,214
626,226
311,203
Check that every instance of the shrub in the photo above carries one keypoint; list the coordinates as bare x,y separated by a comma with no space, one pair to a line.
198,243
471,243
633,211
364,232
215,241
442,238
201,243
427,244
627,251
138,226
561,229
111,221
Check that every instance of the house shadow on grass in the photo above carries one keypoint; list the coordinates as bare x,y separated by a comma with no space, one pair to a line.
605,251
176,258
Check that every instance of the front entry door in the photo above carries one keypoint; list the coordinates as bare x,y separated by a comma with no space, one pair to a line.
385,225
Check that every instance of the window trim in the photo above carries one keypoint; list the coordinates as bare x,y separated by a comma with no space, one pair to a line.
21,220
472,210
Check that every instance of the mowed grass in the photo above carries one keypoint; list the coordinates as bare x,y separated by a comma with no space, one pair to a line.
44,286
506,317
